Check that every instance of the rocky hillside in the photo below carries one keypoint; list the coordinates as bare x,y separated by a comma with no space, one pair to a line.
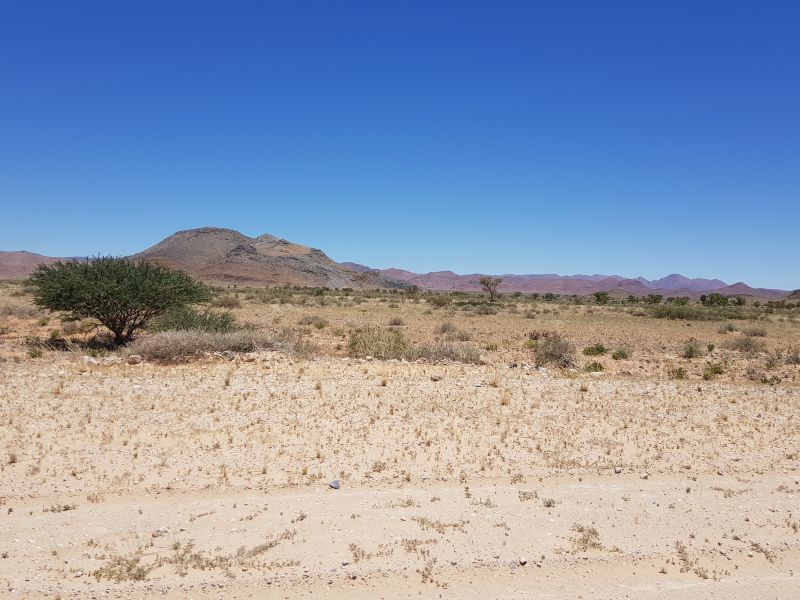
18,265
225,256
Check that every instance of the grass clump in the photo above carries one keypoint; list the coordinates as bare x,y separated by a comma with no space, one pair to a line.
227,301
392,344
186,318
554,349
594,367
755,332
595,350
443,351
181,346
378,343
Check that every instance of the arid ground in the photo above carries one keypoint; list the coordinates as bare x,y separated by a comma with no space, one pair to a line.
671,473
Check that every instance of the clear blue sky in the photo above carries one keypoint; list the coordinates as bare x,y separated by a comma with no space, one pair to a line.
635,138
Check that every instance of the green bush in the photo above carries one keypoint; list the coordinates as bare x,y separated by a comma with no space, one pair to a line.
595,350
121,294
601,297
594,367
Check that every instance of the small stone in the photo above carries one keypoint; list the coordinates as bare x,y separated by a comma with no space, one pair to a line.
249,358
345,563
645,475
135,359
523,561
617,470
88,360
161,531
334,484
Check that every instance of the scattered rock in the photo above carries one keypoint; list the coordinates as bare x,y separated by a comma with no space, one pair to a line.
523,561
645,475
249,358
617,470
161,531
135,359
88,360
334,484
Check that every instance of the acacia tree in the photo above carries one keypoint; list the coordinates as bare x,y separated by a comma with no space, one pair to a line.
490,285
120,293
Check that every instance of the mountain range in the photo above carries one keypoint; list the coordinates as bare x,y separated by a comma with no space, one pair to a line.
227,257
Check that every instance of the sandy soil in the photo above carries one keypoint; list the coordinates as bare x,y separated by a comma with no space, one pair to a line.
212,479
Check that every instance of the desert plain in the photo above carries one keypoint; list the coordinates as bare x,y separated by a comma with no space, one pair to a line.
314,470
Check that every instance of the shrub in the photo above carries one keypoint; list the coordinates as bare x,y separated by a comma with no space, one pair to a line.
677,373
601,297
556,350
711,370
396,322
594,367
439,301
186,318
122,294
755,332
595,350
727,328
177,346
621,354
746,344
692,349
379,343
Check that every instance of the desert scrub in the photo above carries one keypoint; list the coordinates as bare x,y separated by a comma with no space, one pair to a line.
315,320
747,344
594,367
178,346
677,373
595,350
621,354
555,349
711,370
392,344
692,349
227,301
443,351
378,343
187,318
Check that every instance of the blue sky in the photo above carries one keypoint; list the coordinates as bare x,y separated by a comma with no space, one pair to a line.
635,138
